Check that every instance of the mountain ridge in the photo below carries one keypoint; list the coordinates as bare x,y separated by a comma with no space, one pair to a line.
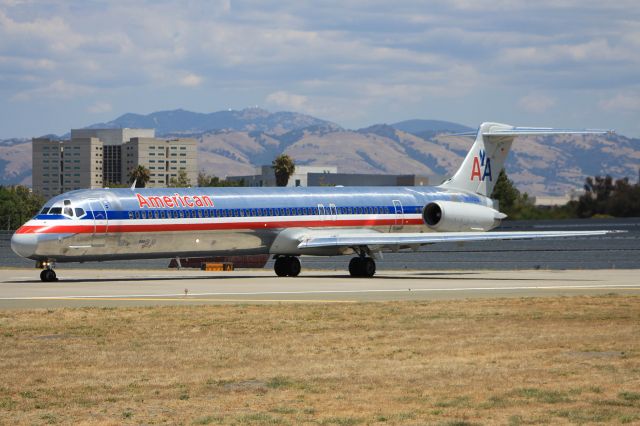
550,165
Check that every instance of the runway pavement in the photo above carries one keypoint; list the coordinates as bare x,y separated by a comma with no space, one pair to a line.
21,288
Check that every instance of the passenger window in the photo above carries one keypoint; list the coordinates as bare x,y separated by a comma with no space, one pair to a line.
130,215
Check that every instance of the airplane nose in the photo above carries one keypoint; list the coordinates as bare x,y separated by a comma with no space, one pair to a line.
24,244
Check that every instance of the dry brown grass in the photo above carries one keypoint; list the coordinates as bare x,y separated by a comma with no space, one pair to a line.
506,361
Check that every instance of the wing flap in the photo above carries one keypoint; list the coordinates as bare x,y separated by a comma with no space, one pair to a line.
411,239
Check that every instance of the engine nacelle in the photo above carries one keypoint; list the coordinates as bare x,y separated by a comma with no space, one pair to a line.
453,216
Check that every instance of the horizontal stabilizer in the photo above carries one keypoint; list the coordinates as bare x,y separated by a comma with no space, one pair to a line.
536,131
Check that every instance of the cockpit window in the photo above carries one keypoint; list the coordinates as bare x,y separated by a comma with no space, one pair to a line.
45,210
79,212
68,211
55,210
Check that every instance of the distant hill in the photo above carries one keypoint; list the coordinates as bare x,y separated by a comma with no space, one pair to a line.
180,121
15,161
235,142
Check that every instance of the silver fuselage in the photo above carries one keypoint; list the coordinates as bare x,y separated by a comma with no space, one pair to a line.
109,224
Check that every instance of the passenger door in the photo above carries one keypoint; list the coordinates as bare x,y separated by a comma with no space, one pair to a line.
100,223
399,215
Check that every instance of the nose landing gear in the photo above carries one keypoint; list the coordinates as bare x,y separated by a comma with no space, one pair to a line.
47,274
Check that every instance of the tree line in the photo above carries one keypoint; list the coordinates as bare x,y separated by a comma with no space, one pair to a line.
603,197
17,205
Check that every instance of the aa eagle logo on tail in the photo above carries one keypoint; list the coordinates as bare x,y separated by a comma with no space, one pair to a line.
481,166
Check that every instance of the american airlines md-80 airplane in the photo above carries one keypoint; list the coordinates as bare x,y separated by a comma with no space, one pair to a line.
139,223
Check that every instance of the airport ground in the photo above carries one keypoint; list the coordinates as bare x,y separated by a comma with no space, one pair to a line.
517,360
22,289
509,333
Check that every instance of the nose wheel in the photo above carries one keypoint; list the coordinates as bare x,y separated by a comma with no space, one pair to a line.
48,275
364,267
287,266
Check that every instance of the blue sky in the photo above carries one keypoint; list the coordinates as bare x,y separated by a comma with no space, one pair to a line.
566,63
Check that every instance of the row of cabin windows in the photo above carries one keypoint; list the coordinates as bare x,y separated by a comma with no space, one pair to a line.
288,211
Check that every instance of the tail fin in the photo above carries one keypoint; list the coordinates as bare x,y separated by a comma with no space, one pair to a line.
480,168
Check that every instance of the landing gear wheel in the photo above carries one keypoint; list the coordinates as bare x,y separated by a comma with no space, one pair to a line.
288,266
362,267
368,267
48,275
294,267
280,266
354,267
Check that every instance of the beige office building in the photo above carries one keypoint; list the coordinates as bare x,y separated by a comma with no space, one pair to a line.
61,166
95,158
163,158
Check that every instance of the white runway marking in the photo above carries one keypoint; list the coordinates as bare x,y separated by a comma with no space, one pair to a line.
398,290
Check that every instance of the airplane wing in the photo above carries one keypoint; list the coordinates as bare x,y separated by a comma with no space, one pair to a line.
413,240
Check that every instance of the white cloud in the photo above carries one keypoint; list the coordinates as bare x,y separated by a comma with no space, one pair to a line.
191,80
57,90
100,107
285,99
624,102
363,59
536,103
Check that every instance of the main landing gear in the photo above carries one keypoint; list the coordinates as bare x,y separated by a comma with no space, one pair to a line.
362,267
287,266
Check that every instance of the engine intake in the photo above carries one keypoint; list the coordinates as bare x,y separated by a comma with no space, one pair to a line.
453,216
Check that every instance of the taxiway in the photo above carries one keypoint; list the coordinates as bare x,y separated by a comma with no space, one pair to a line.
21,288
